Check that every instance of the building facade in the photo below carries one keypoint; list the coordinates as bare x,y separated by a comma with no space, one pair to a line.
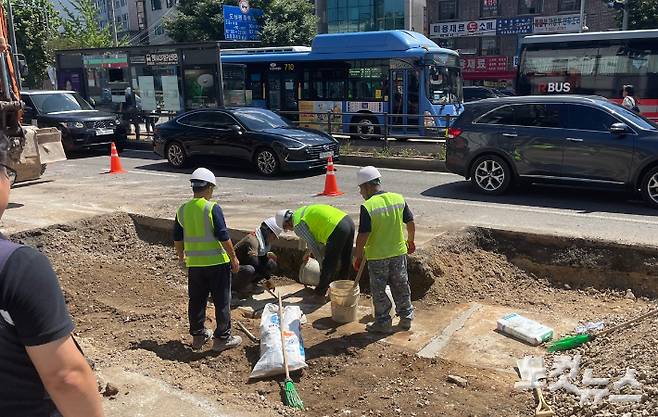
128,16
156,12
487,33
335,16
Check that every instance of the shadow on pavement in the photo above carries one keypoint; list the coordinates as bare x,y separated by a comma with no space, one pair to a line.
228,171
546,196
175,350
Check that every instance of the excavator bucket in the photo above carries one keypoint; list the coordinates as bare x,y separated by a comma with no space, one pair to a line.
49,143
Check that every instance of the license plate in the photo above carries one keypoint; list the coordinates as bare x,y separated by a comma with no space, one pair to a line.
102,132
325,155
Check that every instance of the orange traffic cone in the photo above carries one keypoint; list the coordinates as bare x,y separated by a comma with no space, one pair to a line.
330,183
115,162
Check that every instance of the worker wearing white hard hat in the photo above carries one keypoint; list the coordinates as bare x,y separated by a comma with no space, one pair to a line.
204,247
329,235
257,261
381,241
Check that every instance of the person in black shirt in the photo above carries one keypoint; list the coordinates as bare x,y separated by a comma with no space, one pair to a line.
42,372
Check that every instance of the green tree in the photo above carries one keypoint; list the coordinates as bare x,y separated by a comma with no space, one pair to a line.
289,22
199,20
35,24
285,22
80,28
643,14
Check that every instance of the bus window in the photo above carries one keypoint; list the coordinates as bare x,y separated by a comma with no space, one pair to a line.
367,81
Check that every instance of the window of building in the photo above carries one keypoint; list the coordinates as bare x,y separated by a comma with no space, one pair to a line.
123,3
569,5
156,4
447,10
531,6
489,8
159,30
489,45
170,4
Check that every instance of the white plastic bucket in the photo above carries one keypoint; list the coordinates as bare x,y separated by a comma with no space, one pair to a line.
309,272
344,301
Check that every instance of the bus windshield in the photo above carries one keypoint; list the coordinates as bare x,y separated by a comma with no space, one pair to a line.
444,81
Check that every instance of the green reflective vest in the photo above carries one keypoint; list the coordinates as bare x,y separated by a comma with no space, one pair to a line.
386,238
321,220
201,246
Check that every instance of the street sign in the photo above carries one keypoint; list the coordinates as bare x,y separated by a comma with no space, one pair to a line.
242,23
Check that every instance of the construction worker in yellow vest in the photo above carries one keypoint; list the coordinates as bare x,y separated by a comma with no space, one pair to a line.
204,247
381,240
323,226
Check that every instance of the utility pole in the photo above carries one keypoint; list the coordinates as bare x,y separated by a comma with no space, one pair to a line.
114,23
582,15
624,25
12,43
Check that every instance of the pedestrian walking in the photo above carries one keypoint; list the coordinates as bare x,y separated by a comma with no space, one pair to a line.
381,240
630,102
42,371
257,261
204,247
329,235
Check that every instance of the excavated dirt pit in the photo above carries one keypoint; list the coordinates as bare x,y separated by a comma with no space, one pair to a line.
128,299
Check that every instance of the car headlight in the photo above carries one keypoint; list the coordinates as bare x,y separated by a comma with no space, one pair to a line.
76,125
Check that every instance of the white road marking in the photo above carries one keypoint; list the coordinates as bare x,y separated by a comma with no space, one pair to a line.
159,174
534,210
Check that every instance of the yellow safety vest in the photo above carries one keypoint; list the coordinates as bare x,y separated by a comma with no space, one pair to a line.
199,241
386,238
321,220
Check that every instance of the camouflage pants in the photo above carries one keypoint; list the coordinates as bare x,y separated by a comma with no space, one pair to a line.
391,272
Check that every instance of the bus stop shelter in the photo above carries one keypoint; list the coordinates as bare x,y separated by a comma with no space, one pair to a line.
156,78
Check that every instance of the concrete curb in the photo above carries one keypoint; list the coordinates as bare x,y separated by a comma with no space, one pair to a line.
414,164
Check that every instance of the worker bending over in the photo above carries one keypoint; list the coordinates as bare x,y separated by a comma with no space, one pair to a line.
257,261
321,225
204,246
381,239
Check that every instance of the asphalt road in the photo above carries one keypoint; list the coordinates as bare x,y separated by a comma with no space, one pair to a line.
78,187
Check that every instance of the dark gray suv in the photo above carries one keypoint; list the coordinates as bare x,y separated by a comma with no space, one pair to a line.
573,140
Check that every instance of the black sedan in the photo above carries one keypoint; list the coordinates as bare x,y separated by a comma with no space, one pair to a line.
243,134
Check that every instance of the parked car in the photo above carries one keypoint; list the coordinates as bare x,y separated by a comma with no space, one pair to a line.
474,93
574,140
81,125
244,134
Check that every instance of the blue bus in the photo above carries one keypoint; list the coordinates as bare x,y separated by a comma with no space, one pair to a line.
364,75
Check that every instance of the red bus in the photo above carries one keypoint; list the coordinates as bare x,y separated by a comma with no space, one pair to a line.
597,63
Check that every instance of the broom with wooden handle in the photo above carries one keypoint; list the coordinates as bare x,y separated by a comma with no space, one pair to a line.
571,342
290,392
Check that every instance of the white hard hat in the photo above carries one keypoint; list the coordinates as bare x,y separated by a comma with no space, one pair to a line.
367,174
281,216
203,175
271,224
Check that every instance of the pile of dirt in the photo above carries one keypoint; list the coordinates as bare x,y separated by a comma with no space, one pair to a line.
129,301
610,357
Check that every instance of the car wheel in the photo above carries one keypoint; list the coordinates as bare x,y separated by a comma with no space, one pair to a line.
267,162
491,175
364,127
176,155
650,187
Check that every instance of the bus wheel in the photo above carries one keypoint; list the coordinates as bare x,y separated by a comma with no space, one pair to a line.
364,127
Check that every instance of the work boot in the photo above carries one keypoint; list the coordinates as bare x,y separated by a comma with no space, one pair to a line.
405,324
220,345
200,339
380,327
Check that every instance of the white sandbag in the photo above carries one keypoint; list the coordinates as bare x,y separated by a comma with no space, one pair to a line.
525,329
271,357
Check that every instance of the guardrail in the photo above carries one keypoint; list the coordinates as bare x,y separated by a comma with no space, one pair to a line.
382,126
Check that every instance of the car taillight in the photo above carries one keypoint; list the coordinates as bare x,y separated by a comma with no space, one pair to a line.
454,132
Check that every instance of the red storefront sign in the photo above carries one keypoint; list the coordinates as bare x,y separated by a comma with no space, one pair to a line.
480,64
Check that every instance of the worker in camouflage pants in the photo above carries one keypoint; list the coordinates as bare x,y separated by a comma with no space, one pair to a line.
381,240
